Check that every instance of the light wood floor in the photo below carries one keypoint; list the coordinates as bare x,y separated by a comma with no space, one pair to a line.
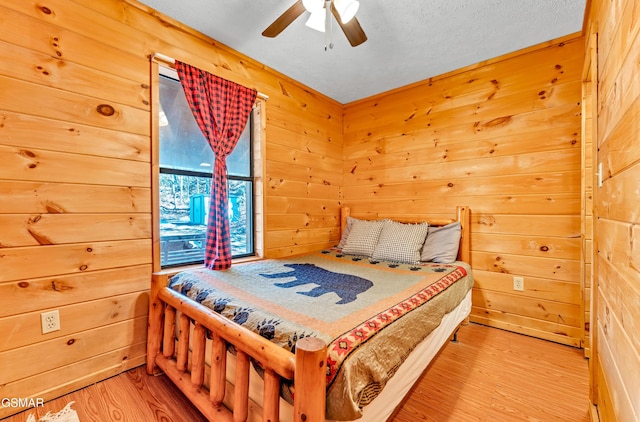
490,375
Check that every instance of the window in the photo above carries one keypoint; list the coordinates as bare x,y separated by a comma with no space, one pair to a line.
186,167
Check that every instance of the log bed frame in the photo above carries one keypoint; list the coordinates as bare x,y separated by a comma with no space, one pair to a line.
187,370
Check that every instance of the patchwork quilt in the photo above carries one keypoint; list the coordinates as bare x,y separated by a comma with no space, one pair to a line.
371,314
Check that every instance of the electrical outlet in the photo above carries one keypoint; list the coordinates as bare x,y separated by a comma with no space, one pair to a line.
518,284
50,321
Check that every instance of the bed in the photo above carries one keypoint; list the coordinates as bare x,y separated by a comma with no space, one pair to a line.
338,334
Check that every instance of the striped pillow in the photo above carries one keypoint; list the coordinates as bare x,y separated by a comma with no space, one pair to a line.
401,242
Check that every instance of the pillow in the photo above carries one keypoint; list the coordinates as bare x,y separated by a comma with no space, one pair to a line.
363,237
347,230
400,242
442,244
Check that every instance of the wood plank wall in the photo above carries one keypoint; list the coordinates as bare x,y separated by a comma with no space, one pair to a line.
616,360
586,202
75,113
503,137
75,185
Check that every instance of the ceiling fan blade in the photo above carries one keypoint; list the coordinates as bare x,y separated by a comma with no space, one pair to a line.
351,29
284,19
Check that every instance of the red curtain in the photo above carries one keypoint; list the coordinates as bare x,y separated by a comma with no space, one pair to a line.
221,108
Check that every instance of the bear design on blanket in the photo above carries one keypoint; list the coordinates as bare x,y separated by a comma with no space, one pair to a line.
346,286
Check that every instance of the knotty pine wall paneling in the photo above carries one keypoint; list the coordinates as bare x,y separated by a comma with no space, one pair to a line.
616,323
503,137
589,95
75,184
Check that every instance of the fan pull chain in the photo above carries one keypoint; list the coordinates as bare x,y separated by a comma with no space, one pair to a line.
328,23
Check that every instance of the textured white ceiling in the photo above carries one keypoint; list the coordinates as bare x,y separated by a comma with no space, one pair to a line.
409,40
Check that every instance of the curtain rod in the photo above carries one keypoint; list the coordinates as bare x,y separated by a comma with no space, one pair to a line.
171,60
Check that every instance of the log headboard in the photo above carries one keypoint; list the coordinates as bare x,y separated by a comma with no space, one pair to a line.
462,215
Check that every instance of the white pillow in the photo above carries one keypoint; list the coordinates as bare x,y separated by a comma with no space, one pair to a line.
363,237
442,244
400,242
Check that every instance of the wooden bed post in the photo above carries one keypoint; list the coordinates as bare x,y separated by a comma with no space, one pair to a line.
154,329
463,216
344,213
310,380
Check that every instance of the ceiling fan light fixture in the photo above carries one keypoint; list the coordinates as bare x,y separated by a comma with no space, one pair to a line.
317,20
313,5
347,9
322,20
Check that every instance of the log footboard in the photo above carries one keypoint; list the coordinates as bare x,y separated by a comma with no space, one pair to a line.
222,401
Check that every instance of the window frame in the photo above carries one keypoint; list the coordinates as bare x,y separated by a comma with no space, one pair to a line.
254,246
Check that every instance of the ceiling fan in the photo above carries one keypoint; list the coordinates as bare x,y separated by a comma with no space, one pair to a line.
343,11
